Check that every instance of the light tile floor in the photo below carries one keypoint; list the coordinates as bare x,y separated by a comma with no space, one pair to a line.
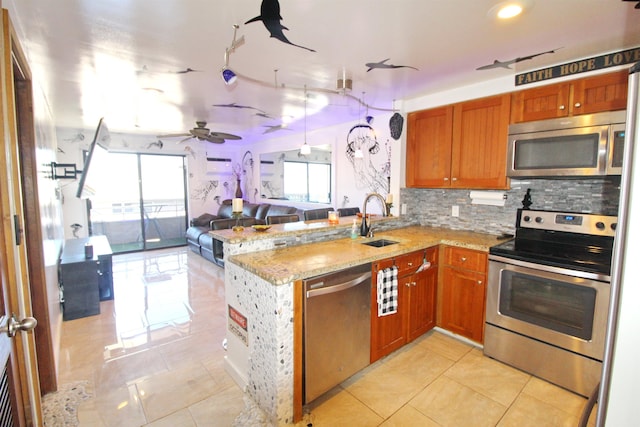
154,357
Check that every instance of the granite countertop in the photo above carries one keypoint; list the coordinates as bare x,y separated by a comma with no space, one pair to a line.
292,228
280,266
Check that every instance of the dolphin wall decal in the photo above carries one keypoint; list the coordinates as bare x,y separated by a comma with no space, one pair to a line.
382,64
506,64
239,106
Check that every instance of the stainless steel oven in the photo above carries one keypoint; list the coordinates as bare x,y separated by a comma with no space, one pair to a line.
548,297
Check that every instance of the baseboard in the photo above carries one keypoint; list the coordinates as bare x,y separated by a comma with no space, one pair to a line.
458,337
233,371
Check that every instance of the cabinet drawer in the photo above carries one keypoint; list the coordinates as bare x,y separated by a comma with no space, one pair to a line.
468,259
407,264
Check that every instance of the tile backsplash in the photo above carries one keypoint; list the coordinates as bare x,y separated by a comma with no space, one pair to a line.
433,206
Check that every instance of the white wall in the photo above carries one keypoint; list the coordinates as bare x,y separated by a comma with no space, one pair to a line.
205,187
352,180
211,182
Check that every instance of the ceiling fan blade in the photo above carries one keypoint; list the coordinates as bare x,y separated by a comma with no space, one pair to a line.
185,139
173,135
214,139
224,135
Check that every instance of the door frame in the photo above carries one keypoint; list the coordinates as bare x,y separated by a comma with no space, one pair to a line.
24,381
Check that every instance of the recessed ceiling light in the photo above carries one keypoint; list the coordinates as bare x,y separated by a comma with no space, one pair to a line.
508,9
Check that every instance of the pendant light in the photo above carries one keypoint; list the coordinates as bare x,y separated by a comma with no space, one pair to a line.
305,150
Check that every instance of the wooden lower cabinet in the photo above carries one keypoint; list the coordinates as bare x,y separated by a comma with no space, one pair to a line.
463,292
416,302
422,302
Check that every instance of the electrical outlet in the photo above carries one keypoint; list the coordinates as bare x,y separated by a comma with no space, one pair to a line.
455,210
403,209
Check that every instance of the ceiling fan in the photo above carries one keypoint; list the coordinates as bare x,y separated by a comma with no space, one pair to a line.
202,133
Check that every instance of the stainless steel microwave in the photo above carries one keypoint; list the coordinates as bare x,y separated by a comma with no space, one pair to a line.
584,145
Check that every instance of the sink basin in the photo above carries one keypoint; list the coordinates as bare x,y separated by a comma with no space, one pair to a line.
380,243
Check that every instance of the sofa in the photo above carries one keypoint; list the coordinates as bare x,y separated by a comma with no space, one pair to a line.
201,242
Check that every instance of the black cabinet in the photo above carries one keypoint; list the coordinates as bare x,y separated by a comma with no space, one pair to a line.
85,279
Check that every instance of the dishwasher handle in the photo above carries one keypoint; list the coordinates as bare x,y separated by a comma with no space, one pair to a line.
339,287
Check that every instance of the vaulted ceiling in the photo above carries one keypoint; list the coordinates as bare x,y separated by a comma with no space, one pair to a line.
154,67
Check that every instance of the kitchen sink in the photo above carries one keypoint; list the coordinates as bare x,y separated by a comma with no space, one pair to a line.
380,243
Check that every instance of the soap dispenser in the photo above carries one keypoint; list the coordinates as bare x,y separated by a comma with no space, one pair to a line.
354,229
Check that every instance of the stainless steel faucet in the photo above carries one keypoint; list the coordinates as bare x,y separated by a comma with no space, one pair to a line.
364,228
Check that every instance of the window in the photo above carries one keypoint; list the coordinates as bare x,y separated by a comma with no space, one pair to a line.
140,201
307,182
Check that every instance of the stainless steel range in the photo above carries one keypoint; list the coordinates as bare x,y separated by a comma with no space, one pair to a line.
548,297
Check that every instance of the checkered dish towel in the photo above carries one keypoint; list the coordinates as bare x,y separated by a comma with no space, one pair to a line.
387,291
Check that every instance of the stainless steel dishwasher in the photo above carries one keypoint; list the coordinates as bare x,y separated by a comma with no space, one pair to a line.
337,328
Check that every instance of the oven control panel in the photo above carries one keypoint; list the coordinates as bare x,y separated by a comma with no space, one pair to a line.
583,223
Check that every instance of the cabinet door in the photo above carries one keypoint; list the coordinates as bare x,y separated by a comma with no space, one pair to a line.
607,92
422,304
429,147
388,333
463,296
545,102
479,149
80,289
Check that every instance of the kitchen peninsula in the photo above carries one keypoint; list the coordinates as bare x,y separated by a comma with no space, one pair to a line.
263,273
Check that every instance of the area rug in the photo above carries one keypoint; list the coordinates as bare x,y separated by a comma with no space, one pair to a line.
61,407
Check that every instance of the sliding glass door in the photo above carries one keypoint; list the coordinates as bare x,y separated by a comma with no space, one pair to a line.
141,202
163,201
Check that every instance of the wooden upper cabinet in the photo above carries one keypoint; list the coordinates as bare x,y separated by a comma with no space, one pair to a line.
479,153
606,92
459,146
545,102
429,147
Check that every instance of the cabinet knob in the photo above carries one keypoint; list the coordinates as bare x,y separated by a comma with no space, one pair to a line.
410,264
577,105
446,179
561,107
463,259
408,284
479,282
454,179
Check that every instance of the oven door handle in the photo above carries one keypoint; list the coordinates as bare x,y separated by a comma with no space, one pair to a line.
551,269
